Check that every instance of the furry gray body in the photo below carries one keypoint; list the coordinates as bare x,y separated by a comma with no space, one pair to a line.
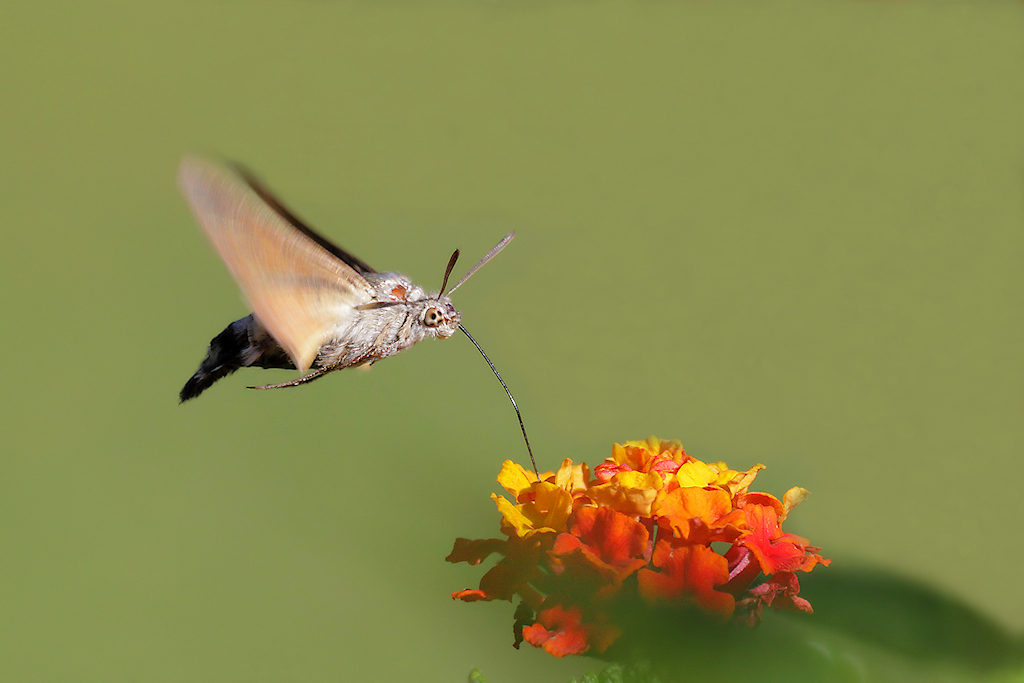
395,317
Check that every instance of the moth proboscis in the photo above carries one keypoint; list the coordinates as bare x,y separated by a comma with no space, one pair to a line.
316,307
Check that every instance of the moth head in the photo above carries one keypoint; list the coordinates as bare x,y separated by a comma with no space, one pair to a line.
440,317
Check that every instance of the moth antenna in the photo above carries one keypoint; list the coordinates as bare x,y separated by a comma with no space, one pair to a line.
491,254
448,270
494,369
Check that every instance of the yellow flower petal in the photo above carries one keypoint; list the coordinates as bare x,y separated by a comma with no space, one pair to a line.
739,482
515,478
631,493
547,509
792,498
656,446
695,473
572,479
551,507
513,521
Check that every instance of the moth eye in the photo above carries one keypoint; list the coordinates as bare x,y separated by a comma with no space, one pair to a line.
433,317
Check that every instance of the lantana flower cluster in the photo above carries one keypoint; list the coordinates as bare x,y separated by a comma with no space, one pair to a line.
643,523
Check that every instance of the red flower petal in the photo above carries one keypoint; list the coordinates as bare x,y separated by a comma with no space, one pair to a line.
611,535
561,631
688,571
470,595
558,631
607,547
606,470
782,589
776,551
743,569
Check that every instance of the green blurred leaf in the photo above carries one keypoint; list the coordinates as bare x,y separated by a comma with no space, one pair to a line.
914,620
868,625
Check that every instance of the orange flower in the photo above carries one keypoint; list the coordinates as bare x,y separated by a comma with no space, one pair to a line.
644,524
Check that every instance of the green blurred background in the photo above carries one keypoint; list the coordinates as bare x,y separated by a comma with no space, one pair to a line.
787,233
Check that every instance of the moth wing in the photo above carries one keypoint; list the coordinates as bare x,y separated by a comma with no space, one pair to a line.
267,196
297,289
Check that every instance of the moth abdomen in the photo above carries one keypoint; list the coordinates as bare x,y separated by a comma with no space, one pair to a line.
243,343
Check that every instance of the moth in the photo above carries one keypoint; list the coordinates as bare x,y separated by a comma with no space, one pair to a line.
315,306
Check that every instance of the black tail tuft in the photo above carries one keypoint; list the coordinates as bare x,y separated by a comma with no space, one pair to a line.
224,356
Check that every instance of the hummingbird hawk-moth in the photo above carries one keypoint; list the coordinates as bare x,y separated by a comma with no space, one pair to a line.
315,306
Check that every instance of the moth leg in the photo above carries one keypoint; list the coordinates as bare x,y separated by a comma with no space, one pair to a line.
316,374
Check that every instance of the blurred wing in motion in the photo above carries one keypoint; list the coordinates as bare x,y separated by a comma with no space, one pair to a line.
254,183
298,289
